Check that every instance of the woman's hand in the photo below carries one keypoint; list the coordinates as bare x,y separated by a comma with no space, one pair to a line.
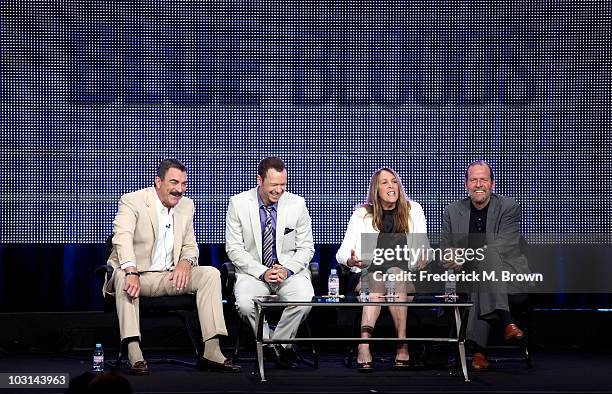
354,261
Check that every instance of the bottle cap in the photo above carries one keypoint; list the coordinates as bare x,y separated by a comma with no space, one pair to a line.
333,271
98,345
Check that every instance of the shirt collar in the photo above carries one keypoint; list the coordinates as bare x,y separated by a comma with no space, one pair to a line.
482,211
261,203
161,209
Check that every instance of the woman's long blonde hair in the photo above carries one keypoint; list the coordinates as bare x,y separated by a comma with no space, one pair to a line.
374,207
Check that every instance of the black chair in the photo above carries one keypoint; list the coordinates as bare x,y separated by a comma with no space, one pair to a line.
228,279
181,306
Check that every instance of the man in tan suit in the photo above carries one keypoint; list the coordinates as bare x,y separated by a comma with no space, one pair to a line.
155,254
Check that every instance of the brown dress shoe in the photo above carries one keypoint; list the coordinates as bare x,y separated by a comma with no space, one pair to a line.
513,333
480,362
205,364
140,368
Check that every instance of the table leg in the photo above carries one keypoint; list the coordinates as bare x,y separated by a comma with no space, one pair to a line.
259,341
461,343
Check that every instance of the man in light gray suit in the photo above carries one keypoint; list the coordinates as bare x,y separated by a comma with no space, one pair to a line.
486,220
268,238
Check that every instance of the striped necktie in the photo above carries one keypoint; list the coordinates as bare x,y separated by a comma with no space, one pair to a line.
268,239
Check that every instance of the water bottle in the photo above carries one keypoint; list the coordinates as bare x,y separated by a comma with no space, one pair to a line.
450,288
333,284
390,290
98,358
364,292
390,294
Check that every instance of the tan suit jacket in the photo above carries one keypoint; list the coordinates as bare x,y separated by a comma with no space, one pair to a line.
135,231
136,227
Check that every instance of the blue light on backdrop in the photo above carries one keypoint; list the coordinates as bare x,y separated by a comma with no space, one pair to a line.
93,94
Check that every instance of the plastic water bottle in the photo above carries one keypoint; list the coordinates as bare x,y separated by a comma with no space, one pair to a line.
98,358
333,284
390,294
450,288
390,290
364,292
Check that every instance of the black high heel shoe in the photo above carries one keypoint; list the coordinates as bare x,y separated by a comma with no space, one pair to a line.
402,365
365,367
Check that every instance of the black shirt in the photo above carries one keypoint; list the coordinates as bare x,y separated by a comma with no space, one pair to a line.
478,227
388,238
388,220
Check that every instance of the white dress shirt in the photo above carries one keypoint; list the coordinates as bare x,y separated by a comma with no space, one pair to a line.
162,256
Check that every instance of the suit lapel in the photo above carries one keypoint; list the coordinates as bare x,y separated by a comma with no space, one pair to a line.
492,217
152,211
177,225
255,221
153,217
280,224
464,222
465,211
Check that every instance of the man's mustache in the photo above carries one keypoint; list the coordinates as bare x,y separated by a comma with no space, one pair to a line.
177,194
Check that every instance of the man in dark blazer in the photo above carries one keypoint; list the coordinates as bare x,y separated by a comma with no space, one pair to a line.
491,222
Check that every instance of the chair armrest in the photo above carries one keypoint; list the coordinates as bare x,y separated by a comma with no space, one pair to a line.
228,278
104,270
343,270
315,278
348,279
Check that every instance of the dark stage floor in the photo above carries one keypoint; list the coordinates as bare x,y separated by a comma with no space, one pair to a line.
554,371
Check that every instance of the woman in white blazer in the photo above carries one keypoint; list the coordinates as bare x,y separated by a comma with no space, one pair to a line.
387,211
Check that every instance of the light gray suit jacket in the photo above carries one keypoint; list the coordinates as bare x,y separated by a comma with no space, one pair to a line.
243,239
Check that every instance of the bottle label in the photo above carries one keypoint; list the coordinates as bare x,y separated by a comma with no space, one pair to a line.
98,359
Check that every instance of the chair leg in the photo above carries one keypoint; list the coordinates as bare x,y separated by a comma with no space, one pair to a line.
351,349
526,353
183,315
350,355
237,342
528,360
528,319
116,365
238,330
315,352
122,349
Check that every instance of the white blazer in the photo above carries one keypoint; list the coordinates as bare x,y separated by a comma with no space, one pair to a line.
294,244
361,223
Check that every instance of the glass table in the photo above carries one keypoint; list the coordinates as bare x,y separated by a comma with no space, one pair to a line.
460,312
